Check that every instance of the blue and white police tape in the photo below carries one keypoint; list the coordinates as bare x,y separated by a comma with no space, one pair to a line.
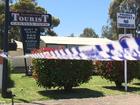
128,49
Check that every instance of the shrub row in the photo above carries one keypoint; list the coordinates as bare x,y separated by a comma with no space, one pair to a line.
61,73
71,73
114,71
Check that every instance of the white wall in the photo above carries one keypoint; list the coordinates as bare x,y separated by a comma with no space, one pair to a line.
19,62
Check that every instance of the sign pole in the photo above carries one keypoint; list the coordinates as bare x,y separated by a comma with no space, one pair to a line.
30,29
125,68
5,93
25,61
125,20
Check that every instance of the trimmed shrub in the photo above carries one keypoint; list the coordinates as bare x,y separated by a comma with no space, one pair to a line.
114,71
137,70
10,69
61,73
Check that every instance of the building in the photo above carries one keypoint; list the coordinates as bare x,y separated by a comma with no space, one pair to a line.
2,1
51,41
54,41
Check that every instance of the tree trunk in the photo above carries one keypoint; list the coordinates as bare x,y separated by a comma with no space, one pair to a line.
118,84
68,88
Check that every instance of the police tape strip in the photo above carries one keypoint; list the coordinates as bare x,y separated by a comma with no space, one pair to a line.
128,49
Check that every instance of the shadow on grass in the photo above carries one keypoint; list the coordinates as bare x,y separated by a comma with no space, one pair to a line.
11,83
136,84
75,93
22,100
130,89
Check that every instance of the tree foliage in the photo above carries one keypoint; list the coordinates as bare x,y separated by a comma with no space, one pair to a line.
2,16
61,73
50,32
129,6
28,6
89,32
114,71
107,32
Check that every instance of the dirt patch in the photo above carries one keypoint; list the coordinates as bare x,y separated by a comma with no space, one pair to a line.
127,99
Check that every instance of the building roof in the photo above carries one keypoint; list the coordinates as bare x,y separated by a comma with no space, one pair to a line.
69,41
74,40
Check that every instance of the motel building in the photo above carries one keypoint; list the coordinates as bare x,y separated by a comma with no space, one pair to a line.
50,42
54,42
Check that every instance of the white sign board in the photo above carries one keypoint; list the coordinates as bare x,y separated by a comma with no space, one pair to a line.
125,36
29,19
126,20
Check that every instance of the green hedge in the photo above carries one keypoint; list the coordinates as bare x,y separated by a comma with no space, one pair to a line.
61,73
114,71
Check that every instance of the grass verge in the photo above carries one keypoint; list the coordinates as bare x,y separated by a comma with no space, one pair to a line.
26,89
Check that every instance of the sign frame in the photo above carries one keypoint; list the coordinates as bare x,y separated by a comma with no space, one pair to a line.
30,19
126,20
125,36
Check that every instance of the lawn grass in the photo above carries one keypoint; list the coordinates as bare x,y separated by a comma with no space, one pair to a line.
26,89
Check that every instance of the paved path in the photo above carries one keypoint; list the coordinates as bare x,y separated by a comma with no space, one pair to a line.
128,99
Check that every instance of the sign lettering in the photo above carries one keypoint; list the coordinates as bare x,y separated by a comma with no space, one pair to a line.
30,38
22,19
126,20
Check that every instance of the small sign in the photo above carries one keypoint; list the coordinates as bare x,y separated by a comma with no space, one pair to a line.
29,19
30,38
125,36
126,20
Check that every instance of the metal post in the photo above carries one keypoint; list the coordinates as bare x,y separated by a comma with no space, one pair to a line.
24,52
5,93
26,67
125,68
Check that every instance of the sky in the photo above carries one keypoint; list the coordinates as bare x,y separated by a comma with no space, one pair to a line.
75,15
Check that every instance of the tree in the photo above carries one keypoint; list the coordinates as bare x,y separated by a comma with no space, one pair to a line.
114,71
2,16
89,32
50,32
23,6
71,35
61,73
130,6
106,31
